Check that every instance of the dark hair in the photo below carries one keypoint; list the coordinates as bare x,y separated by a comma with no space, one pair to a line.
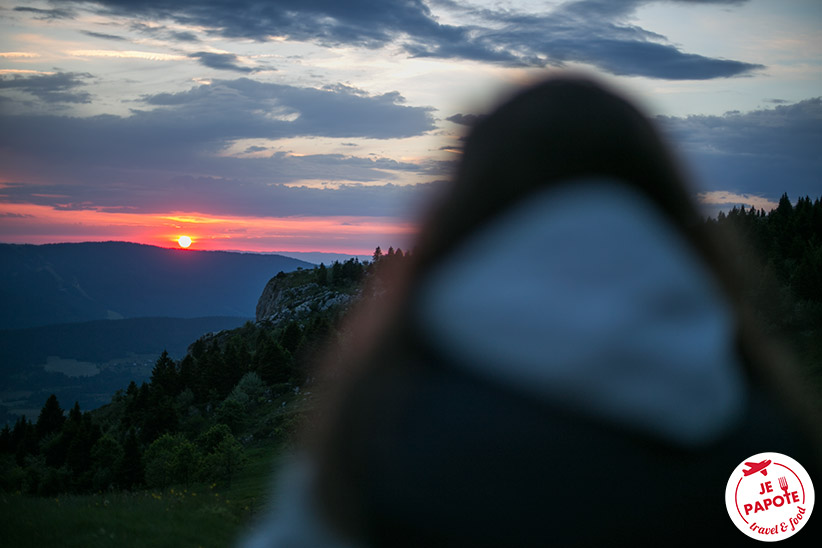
560,130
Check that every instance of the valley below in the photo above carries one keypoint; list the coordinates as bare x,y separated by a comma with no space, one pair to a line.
88,362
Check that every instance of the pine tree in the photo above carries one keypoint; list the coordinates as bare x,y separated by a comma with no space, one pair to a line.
78,456
160,418
75,415
237,361
51,418
272,362
321,275
292,337
23,439
352,271
188,373
784,208
336,274
164,377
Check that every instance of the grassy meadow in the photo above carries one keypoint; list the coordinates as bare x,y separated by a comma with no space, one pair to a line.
200,515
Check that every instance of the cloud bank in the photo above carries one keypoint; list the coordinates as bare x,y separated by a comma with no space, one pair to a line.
220,61
596,32
760,152
50,88
174,128
171,152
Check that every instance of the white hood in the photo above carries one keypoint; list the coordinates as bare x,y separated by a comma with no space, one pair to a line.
586,296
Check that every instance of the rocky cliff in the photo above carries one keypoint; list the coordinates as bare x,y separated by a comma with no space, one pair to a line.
296,295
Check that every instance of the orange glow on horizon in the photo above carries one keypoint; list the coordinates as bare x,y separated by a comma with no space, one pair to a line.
37,224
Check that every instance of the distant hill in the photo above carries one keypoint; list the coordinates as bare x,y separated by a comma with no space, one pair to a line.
63,283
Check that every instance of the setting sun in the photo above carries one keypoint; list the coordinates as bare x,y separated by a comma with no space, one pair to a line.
184,241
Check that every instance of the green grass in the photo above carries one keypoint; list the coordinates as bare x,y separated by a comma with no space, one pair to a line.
201,515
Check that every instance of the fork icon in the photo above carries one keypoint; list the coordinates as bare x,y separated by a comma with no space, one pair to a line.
783,483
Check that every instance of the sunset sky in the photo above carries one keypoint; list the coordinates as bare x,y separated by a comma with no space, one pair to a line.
327,125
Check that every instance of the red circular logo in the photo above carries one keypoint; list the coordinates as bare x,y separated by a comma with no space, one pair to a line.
769,496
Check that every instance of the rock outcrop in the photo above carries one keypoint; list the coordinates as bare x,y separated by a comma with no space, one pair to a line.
293,296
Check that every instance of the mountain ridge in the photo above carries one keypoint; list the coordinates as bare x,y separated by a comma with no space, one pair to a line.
73,282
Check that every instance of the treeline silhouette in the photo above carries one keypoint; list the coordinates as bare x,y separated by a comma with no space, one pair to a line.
780,257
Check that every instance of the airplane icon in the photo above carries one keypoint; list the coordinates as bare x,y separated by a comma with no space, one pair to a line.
757,467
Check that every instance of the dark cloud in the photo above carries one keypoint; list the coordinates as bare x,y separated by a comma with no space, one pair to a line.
103,35
162,32
763,152
220,61
597,32
720,2
465,119
370,23
243,108
656,60
50,88
183,36
183,126
47,14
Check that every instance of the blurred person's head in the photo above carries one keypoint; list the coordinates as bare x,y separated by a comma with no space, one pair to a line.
563,283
